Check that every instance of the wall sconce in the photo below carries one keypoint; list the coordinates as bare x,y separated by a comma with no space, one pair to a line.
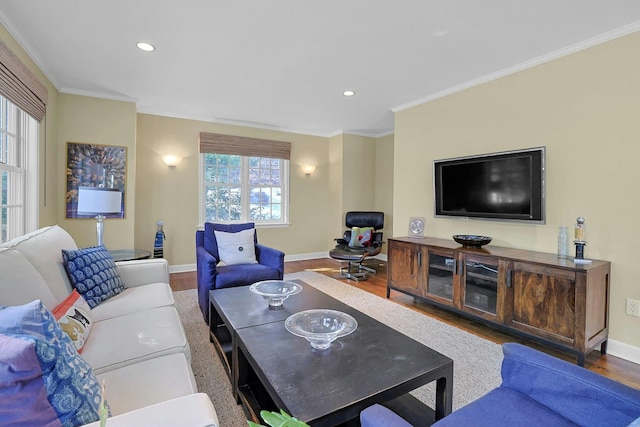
308,169
171,160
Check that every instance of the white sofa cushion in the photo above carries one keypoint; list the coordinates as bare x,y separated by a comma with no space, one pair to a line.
147,383
124,340
43,250
144,271
20,282
195,410
133,300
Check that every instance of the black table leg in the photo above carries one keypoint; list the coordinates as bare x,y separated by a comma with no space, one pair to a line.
444,395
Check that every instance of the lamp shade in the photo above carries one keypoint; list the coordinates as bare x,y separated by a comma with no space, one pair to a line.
96,201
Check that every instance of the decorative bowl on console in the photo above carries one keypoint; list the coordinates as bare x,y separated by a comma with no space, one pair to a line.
275,291
471,240
320,326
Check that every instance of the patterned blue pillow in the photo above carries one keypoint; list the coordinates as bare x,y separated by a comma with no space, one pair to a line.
93,273
44,379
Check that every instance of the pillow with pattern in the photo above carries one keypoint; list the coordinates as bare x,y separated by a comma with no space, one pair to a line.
361,237
74,317
44,379
93,273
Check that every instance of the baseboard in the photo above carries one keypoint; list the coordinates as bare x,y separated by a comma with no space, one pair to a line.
183,268
304,257
623,351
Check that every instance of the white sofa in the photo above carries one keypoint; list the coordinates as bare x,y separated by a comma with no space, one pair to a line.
137,343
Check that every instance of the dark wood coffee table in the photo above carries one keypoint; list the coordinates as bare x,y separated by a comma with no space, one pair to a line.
232,309
272,369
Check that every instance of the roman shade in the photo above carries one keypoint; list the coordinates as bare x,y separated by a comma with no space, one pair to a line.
244,146
20,86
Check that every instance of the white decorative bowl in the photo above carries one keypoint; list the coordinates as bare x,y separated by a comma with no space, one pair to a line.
321,326
275,291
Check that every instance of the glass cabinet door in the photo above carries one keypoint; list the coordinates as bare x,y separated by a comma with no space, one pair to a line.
440,280
480,284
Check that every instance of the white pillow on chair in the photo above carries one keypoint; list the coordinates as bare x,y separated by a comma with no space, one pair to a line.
236,248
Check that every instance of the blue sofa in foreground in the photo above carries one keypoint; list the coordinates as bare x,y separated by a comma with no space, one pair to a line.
537,390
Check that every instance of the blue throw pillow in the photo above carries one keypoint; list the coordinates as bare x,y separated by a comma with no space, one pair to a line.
44,381
93,273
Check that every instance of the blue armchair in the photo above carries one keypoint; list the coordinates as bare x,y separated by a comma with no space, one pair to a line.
536,390
270,265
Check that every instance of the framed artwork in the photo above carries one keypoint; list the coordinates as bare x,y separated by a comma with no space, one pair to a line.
97,167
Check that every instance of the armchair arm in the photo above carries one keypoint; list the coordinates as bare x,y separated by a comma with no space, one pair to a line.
271,257
206,277
205,264
379,416
143,272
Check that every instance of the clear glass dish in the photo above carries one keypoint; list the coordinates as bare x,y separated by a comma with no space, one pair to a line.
275,291
320,326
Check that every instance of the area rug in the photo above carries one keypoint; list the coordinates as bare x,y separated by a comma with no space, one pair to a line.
476,360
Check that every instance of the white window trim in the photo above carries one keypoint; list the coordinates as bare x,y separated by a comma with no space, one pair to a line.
28,134
245,189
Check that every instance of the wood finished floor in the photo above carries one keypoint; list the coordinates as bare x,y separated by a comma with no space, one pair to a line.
607,365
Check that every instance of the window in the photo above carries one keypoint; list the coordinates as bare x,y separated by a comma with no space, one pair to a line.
245,188
18,171
244,179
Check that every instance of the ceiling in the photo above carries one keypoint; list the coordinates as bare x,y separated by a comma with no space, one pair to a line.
284,64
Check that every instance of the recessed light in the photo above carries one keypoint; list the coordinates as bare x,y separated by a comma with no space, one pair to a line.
348,93
145,46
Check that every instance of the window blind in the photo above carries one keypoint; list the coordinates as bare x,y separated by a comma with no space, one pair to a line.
243,146
20,86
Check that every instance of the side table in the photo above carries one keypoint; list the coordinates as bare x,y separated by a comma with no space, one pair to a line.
129,254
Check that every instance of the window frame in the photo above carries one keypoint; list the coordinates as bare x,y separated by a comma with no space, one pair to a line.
25,130
245,190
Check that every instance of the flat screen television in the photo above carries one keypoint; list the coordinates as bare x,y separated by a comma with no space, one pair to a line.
499,186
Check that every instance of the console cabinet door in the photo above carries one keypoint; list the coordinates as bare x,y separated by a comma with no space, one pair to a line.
442,276
405,265
479,286
544,301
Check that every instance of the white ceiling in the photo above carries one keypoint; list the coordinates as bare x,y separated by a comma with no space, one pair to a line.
283,64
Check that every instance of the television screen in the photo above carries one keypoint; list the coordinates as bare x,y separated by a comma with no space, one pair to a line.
507,186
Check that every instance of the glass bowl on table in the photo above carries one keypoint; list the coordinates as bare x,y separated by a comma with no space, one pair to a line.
275,291
320,326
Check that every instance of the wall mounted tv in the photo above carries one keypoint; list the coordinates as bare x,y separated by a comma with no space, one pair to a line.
499,186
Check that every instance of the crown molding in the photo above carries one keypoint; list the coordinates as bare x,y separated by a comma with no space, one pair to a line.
586,44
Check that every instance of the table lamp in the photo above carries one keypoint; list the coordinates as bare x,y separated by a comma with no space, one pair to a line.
99,201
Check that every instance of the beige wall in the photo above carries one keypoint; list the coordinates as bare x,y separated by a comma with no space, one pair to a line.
358,175
585,108
90,120
335,213
172,194
383,183
360,178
